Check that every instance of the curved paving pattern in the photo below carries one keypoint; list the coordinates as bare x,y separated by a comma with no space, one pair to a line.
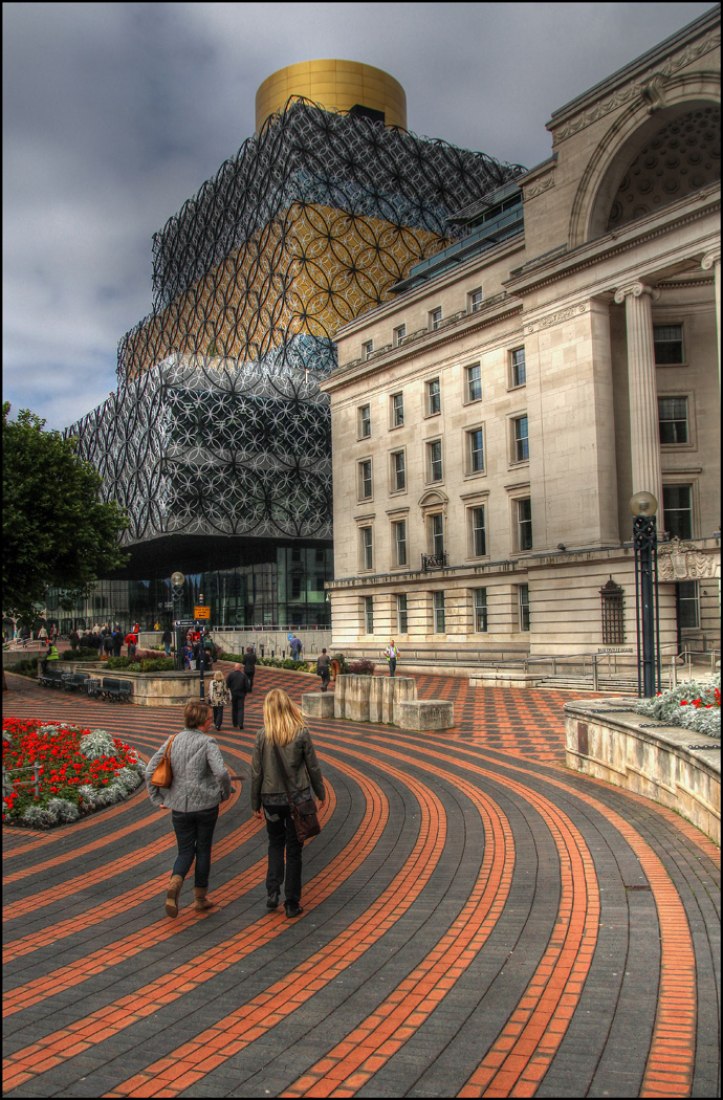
478,922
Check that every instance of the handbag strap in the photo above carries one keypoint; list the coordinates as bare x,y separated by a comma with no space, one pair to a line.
167,751
284,769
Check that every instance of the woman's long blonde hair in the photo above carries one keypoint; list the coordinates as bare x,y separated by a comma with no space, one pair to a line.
282,718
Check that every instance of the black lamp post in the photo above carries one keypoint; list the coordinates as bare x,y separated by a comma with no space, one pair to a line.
645,541
201,656
177,582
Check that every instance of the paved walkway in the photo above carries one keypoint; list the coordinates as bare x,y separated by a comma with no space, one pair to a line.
478,922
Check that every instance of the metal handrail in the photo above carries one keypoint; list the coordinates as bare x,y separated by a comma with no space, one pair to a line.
36,769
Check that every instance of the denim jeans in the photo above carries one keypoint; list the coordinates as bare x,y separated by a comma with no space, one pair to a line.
194,834
217,717
283,841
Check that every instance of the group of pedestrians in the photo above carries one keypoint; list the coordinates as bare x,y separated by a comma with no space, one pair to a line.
284,765
232,690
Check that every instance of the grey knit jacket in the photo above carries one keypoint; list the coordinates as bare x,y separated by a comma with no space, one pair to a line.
200,778
267,780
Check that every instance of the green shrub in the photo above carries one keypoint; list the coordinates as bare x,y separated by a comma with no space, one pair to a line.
691,705
79,655
363,667
28,667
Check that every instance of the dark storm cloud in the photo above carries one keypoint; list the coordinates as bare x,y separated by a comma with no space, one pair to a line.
114,114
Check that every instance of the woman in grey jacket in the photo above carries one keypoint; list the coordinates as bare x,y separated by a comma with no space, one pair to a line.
200,782
283,729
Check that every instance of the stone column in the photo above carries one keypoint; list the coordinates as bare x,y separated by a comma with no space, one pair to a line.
642,390
712,260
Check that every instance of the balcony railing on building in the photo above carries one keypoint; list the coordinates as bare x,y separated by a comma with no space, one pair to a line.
434,561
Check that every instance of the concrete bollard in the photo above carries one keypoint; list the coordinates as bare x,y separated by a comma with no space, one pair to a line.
317,704
404,690
356,703
424,714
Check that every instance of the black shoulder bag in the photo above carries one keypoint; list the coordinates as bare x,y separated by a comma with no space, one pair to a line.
303,811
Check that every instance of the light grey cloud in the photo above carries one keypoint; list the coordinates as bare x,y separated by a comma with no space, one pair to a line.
116,113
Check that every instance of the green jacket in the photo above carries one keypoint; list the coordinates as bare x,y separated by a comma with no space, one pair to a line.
52,654
303,767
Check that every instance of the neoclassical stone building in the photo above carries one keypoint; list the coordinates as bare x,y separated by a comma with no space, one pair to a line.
491,422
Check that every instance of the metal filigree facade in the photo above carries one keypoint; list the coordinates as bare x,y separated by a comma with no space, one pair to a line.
218,426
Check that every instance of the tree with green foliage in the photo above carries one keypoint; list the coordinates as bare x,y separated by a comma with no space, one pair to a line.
56,530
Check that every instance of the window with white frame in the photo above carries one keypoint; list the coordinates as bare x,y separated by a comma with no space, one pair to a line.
668,344
435,318
402,615
678,510
478,530
520,441
523,606
397,409
688,601
364,421
523,509
434,460
367,349
436,535
365,485
474,448
368,613
473,382
438,608
434,397
399,541
399,471
518,372
673,420
480,610
398,335
366,548
474,300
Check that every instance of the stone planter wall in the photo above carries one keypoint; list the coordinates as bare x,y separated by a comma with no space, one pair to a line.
391,700
160,689
675,767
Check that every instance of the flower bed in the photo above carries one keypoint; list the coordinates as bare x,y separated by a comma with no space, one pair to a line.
80,770
691,705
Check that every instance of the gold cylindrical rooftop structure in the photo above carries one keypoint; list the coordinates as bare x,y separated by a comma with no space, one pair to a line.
335,86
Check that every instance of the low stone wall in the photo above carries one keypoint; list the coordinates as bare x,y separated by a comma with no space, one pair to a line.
673,766
387,699
164,689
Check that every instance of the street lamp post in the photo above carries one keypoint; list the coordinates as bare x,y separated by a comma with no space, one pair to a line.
645,541
201,657
177,582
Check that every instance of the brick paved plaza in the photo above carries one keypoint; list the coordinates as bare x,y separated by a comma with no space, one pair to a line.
478,922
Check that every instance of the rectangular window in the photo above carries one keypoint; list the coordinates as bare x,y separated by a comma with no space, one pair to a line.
367,553
434,397
673,419
474,300
524,524
402,615
688,597
436,523
364,421
478,531
399,472
480,610
367,349
678,511
365,479
518,374
613,613
397,400
435,318
434,460
398,335
523,606
473,382
475,451
399,537
668,342
520,443
368,614
438,605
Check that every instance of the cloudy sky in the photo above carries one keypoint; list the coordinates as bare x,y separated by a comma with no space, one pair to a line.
115,114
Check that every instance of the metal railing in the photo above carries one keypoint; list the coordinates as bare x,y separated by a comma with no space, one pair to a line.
35,768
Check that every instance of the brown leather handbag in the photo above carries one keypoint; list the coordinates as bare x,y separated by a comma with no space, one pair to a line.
163,772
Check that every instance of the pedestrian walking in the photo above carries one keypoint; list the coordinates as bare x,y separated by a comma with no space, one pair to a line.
323,669
283,730
167,638
131,640
250,666
295,647
200,783
238,684
218,697
392,653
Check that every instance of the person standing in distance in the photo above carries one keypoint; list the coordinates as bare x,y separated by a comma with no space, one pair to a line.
391,653
237,683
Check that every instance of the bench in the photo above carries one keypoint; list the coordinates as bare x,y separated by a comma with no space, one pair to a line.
94,686
116,691
74,681
51,677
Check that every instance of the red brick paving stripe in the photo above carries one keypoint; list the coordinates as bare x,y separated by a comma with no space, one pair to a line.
253,1019
174,984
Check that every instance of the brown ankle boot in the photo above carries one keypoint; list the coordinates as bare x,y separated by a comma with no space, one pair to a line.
174,889
201,902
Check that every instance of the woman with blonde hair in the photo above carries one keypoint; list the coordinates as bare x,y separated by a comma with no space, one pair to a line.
200,782
284,734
